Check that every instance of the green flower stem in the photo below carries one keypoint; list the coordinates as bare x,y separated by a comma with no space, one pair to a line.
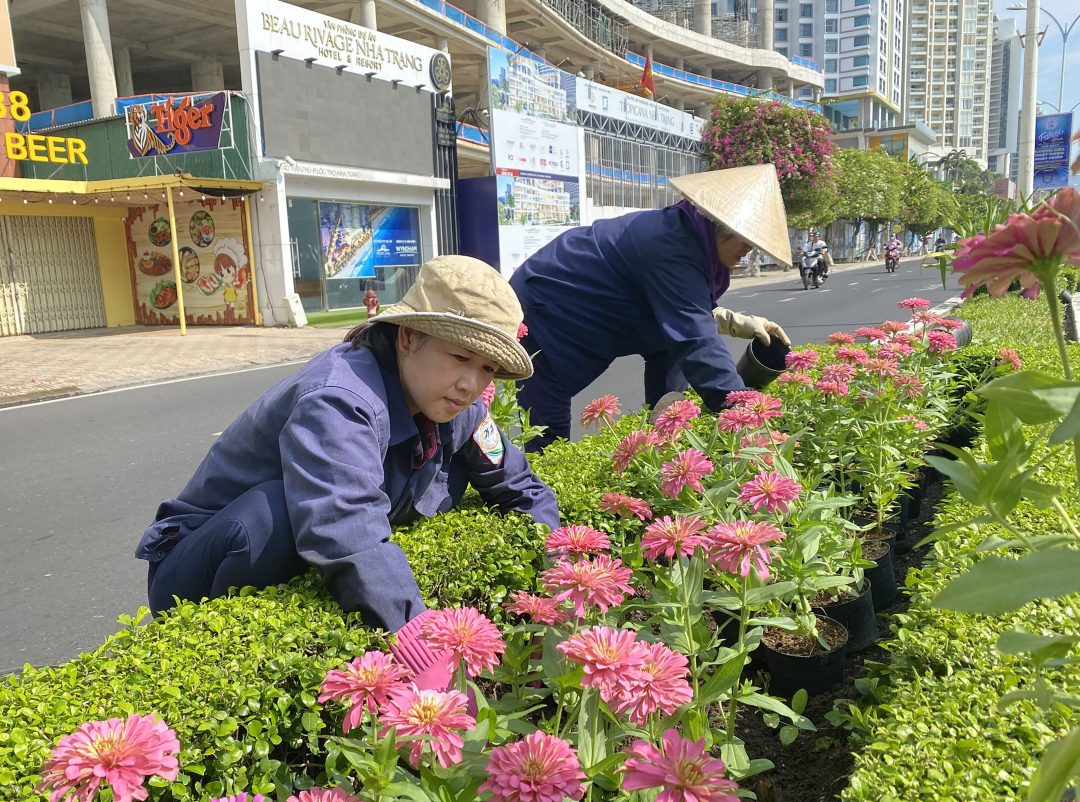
688,623
1065,515
744,617
1059,337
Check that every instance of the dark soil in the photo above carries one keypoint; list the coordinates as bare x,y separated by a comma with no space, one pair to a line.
874,549
806,645
825,599
816,766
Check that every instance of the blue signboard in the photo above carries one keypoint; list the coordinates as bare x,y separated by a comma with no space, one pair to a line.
1053,135
358,238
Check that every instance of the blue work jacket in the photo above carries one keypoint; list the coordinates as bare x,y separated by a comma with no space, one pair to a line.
635,284
339,434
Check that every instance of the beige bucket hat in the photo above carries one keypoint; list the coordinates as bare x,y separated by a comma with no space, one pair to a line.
466,302
745,199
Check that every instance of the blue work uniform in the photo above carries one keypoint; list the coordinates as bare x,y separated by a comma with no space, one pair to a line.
315,473
635,284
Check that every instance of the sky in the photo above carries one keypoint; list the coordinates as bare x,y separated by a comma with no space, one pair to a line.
1049,84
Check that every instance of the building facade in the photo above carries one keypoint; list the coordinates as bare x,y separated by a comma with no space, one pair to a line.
949,52
1005,81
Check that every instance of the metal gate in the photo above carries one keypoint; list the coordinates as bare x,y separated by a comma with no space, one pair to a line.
49,279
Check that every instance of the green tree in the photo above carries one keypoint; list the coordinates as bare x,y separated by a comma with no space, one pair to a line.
950,163
922,199
870,187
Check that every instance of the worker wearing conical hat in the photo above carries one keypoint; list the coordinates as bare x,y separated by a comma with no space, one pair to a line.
647,283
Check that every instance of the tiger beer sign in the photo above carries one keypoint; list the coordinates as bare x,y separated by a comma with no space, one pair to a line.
167,125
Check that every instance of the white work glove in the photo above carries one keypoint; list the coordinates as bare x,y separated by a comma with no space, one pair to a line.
746,327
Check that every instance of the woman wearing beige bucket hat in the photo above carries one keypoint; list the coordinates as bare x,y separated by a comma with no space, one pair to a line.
373,433
647,283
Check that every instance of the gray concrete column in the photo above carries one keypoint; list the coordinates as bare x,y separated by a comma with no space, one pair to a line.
703,110
679,63
99,57
491,12
703,17
649,51
791,87
589,70
54,90
765,79
207,76
680,104
765,18
125,87
368,16
817,94
541,52
442,43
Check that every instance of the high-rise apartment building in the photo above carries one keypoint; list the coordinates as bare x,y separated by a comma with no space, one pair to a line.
948,47
859,44
1005,79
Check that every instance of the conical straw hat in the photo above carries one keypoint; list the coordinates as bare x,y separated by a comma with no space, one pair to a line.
746,200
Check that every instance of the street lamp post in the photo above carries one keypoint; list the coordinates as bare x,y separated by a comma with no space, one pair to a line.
1065,31
1026,168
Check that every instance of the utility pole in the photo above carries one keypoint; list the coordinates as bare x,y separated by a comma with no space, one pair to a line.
1026,168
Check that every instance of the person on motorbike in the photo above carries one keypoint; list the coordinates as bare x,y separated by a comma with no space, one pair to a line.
820,249
892,252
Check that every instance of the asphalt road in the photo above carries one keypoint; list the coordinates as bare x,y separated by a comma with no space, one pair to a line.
80,478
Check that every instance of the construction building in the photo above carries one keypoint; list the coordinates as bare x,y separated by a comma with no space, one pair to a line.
1006,77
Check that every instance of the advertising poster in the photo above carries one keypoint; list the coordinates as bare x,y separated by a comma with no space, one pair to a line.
1053,133
534,152
607,101
164,125
215,272
358,239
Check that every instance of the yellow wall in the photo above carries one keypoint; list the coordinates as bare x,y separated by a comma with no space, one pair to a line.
111,251
115,272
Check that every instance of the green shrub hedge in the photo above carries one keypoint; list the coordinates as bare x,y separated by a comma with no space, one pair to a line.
930,728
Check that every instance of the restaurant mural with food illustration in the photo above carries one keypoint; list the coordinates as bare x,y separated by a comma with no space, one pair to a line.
215,272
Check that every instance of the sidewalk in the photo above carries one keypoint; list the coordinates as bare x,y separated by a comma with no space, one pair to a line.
45,366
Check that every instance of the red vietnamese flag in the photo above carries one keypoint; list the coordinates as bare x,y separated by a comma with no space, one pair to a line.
647,78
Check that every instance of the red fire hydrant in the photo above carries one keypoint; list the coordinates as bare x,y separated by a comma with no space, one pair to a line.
371,301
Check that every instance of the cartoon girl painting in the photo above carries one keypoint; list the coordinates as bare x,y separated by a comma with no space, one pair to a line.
229,264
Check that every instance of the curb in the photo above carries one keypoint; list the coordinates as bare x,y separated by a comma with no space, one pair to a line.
26,399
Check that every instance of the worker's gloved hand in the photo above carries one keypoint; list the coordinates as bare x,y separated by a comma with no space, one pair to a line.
432,671
746,327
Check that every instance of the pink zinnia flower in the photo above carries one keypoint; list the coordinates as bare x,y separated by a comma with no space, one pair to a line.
1007,356
928,320
663,686
686,470
895,351
881,366
632,445
737,398
670,536
794,377
604,408
1024,247
522,331
940,342
769,490
120,752
838,371
440,715
737,547
538,768
870,333
832,387
893,326
542,609
908,386
625,506
682,768
803,359
853,356
675,419
764,407
488,395
468,634
242,797
914,304
602,583
612,658
324,795
918,424
363,682
901,338
732,420
576,539
841,338
761,440
952,324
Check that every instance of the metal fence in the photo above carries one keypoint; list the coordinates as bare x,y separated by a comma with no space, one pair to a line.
632,174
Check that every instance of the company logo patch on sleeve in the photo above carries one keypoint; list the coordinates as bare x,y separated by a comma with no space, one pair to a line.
488,437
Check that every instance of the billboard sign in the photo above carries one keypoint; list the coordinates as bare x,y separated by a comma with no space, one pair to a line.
534,153
1053,133
163,126
608,101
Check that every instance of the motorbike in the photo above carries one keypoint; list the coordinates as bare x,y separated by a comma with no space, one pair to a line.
892,259
813,268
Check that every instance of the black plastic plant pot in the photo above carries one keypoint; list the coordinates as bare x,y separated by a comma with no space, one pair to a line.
882,580
761,364
962,335
961,436
817,673
914,497
857,616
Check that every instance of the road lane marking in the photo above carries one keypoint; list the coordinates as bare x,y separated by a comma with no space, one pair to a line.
852,284
785,300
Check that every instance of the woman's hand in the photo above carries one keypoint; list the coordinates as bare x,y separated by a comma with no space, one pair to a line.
746,327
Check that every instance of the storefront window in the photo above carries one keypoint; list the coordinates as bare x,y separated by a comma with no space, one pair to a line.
342,249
